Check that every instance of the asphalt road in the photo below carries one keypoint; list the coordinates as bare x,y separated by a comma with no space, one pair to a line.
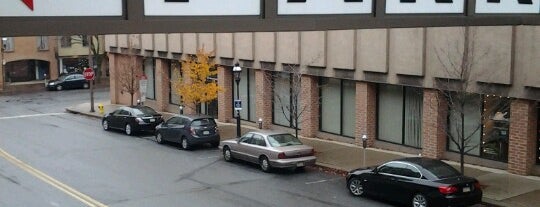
68,160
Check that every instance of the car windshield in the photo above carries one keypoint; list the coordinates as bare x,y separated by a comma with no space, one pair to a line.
142,111
441,170
203,122
280,140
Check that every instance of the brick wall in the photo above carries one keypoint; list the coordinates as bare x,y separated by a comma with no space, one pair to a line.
263,99
310,100
162,84
366,112
225,108
522,141
434,121
114,86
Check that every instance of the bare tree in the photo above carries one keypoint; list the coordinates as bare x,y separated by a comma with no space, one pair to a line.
288,101
458,92
129,72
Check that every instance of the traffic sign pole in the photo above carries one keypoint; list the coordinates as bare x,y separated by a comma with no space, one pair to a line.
90,65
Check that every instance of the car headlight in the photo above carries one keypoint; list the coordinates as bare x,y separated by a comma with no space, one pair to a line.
52,83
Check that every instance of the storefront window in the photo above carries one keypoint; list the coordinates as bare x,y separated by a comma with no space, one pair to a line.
282,99
247,95
400,115
149,72
26,70
485,127
175,73
338,106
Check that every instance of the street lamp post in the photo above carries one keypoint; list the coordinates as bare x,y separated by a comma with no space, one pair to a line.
237,71
2,61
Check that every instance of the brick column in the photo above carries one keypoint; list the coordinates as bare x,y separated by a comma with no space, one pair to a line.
434,122
522,141
162,84
263,97
114,87
225,107
309,121
366,112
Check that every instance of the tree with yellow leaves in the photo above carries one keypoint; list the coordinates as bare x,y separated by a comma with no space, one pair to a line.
194,85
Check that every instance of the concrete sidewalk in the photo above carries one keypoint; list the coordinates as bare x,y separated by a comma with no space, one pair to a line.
500,188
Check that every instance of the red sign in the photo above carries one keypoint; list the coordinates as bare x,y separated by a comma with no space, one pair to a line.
29,4
88,74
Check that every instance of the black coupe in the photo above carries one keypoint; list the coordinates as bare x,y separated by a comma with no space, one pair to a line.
417,182
132,119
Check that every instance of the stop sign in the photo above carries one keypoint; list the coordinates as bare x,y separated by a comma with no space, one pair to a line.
88,74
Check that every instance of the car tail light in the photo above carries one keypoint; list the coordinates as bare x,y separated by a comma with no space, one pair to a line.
311,153
192,129
139,120
282,155
477,185
447,189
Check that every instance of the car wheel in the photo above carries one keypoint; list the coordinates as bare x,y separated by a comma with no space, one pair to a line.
86,85
128,129
227,155
105,125
184,143
265,164
356,187
159,138
59,88
419,200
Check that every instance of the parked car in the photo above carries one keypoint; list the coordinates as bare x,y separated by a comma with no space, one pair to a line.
419,181
132,119
189,130
269,149
68,81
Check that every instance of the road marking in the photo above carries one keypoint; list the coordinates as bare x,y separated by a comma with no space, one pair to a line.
203,158
31,115
322,181
51,181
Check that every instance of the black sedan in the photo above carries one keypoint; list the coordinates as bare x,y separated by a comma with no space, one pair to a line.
189,130
132,119
68,81
416,181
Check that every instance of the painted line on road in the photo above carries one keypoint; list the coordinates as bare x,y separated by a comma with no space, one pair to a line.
211,157
51,181
31,115
322,181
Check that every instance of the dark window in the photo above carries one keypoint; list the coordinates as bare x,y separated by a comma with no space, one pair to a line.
440,170
353,0
248,138
494,1
124,113
259,140
407,1
443,1
296,1
176,0
203,122
174,120
390,168
525,1
144,110
65,41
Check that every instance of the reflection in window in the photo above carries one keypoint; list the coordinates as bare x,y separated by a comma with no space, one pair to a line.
486,123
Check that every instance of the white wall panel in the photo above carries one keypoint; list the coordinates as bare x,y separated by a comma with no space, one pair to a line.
423,6
507,6
324,7
202,8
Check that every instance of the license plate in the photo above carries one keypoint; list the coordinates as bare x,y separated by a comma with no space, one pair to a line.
299,164
206,132
152,120
466,189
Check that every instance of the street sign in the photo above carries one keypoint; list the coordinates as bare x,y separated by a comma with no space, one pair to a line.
88,74
237,105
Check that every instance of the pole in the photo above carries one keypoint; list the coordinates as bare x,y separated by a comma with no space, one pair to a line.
238,130
91,64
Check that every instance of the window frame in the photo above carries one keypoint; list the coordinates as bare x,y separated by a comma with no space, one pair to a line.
341,92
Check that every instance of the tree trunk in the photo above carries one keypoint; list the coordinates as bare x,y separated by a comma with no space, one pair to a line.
462,140
131,98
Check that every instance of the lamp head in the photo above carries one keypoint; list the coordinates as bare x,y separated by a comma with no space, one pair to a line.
364,137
